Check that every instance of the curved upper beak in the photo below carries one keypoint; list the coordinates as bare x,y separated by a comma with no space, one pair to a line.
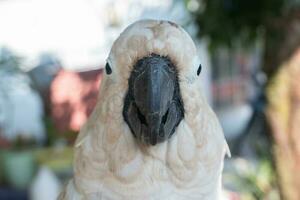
152,111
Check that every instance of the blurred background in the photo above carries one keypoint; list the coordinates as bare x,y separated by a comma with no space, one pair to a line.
51,57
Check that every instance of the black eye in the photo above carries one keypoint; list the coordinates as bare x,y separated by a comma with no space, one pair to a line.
108,69
199,70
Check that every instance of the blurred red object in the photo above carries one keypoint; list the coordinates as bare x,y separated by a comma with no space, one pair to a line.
230,195
4,144
73,97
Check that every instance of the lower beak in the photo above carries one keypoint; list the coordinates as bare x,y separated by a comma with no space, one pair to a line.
151,108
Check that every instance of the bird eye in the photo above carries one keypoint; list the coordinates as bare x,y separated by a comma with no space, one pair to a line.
108,69
199,70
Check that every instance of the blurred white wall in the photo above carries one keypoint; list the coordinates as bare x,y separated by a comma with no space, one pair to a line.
80,32
69,28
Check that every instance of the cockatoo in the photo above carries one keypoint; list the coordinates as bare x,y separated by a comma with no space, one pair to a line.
152,135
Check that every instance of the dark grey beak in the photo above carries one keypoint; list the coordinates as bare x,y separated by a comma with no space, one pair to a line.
153,106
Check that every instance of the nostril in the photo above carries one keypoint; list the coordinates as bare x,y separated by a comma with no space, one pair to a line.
142,117
165,117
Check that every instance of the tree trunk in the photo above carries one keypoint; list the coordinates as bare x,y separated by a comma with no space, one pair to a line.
283,110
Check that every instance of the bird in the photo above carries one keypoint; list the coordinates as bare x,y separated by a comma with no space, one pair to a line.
152,134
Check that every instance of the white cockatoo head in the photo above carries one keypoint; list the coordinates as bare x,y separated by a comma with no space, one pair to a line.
152,61
151,132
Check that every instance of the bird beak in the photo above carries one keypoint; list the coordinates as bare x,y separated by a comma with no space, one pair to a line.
153,106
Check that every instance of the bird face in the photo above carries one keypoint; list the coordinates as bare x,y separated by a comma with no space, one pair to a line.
153,106
152,60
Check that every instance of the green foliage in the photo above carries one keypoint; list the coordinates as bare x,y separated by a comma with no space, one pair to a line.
253,180
226,21
54,135
22,143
